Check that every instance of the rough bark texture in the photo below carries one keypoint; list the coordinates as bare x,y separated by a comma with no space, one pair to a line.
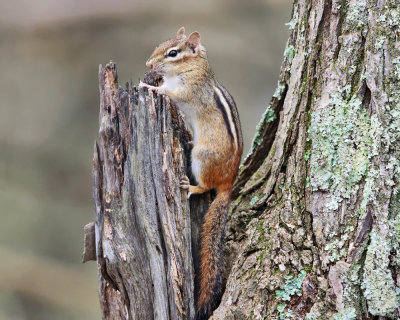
143,227
314,231
89,243
314,228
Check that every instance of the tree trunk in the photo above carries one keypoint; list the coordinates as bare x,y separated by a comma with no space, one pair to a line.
143,227
314,228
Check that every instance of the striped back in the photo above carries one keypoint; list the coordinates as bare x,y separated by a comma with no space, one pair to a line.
229,111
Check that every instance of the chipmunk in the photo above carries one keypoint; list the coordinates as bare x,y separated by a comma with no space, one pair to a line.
213,118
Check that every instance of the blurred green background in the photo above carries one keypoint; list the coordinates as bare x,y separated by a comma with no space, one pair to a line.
49,57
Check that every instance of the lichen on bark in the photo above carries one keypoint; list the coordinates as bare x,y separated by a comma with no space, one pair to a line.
341,148
324,198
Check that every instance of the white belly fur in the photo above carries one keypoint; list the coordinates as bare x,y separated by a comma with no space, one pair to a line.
190,117
172,83
196,168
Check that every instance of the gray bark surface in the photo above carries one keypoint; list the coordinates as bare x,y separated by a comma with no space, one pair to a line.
314,232
143,226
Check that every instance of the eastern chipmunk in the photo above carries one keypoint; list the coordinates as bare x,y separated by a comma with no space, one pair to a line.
217,144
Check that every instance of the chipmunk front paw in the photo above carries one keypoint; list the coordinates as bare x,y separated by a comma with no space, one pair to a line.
148,87
185,184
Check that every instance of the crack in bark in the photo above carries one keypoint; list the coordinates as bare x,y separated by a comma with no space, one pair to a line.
258,156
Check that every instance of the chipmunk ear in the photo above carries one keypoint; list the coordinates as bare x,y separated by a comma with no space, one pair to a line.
194,40
181,32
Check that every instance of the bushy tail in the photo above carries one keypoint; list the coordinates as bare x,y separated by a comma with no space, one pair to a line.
212,237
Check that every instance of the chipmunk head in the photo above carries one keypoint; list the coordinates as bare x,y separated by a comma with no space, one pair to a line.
172,56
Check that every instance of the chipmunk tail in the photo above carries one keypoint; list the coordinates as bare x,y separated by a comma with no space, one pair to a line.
212,238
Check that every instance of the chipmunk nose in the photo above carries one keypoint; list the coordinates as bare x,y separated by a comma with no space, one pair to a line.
149,64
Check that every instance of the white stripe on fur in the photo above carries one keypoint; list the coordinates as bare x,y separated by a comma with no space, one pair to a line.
229,114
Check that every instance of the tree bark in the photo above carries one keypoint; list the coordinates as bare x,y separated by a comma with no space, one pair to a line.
143,227
314,232
314,227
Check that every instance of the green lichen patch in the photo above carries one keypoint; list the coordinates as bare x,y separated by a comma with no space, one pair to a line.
262,238
311,316
281,307
291,287
378,285
289,53
280,88
346,314
269,115
295,19
307,155
336,248
390,16
341,148
287,315
253,200
351,292
395,226
357,17
379,42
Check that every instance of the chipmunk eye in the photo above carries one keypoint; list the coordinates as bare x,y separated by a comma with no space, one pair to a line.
172,53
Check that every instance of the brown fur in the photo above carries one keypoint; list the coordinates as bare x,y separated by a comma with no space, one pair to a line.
211,250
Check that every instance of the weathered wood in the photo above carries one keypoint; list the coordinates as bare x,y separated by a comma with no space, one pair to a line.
143,225
89,243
